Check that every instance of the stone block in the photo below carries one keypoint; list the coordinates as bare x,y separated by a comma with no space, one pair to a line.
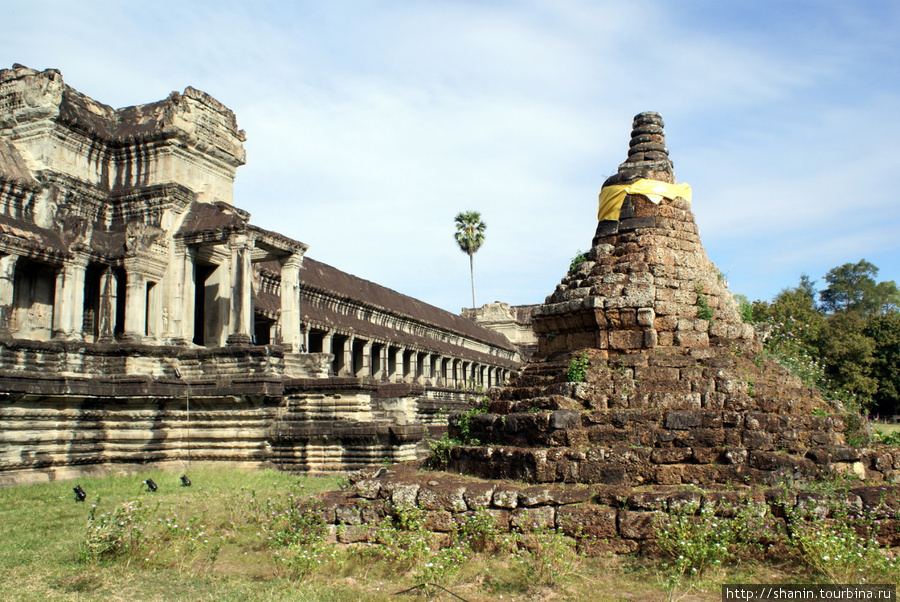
355,534
684,502
656,373
607,227
639,525
448,497
440,521
647,500
670,474
639,295
683,420
691,339
534,496
402,494
760,440
505,497
529,519
347,515
665,323
501,518
842,453
574,495
707,455
368,488
626,339
594,548
665,308
635,223
699,474
705,437
587,521
372,512
670,455
565,419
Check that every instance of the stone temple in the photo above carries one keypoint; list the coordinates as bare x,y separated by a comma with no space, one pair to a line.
145,319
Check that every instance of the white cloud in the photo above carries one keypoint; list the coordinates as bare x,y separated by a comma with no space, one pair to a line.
371,124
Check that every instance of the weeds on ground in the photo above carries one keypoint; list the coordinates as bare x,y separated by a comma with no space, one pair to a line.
547,557
117,532
843,548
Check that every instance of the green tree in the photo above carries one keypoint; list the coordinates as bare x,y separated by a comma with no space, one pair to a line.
885,332
791,307
852,287
849,357
470,236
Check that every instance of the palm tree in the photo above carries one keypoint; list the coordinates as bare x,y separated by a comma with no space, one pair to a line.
470,236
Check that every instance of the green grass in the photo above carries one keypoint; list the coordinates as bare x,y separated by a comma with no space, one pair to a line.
231,536
886,427
42,529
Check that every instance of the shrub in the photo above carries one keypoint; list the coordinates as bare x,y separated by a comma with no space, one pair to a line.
704,311
843,549
577,368
580,257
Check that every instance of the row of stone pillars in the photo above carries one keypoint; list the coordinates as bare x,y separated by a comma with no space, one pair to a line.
358,357
145,300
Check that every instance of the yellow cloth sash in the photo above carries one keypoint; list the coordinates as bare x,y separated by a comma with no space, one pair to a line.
612,197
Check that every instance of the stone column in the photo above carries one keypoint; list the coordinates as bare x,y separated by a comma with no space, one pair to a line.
68,304
135,306
7,291
427,376
413,367
241,324
439,370
180,328
348,357
291,339
365,370
109,285
328,347
395,374
380,371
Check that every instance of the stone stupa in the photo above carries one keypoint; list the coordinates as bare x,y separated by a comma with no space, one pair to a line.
674,388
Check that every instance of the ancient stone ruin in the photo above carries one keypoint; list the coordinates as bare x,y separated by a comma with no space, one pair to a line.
145,319
674,388
647,393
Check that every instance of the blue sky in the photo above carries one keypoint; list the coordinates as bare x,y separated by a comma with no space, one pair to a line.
370,124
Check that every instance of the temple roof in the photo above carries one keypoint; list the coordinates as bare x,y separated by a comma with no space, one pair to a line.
323,277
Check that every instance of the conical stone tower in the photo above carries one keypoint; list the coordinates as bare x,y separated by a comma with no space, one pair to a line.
645,372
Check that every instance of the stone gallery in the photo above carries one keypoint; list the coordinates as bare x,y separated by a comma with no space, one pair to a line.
145,319
647,394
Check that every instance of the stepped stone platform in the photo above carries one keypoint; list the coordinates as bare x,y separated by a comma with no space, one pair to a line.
672,397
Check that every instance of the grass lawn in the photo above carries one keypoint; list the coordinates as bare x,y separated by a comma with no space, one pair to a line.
234,535
886,427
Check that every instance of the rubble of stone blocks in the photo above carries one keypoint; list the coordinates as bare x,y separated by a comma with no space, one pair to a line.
602,519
